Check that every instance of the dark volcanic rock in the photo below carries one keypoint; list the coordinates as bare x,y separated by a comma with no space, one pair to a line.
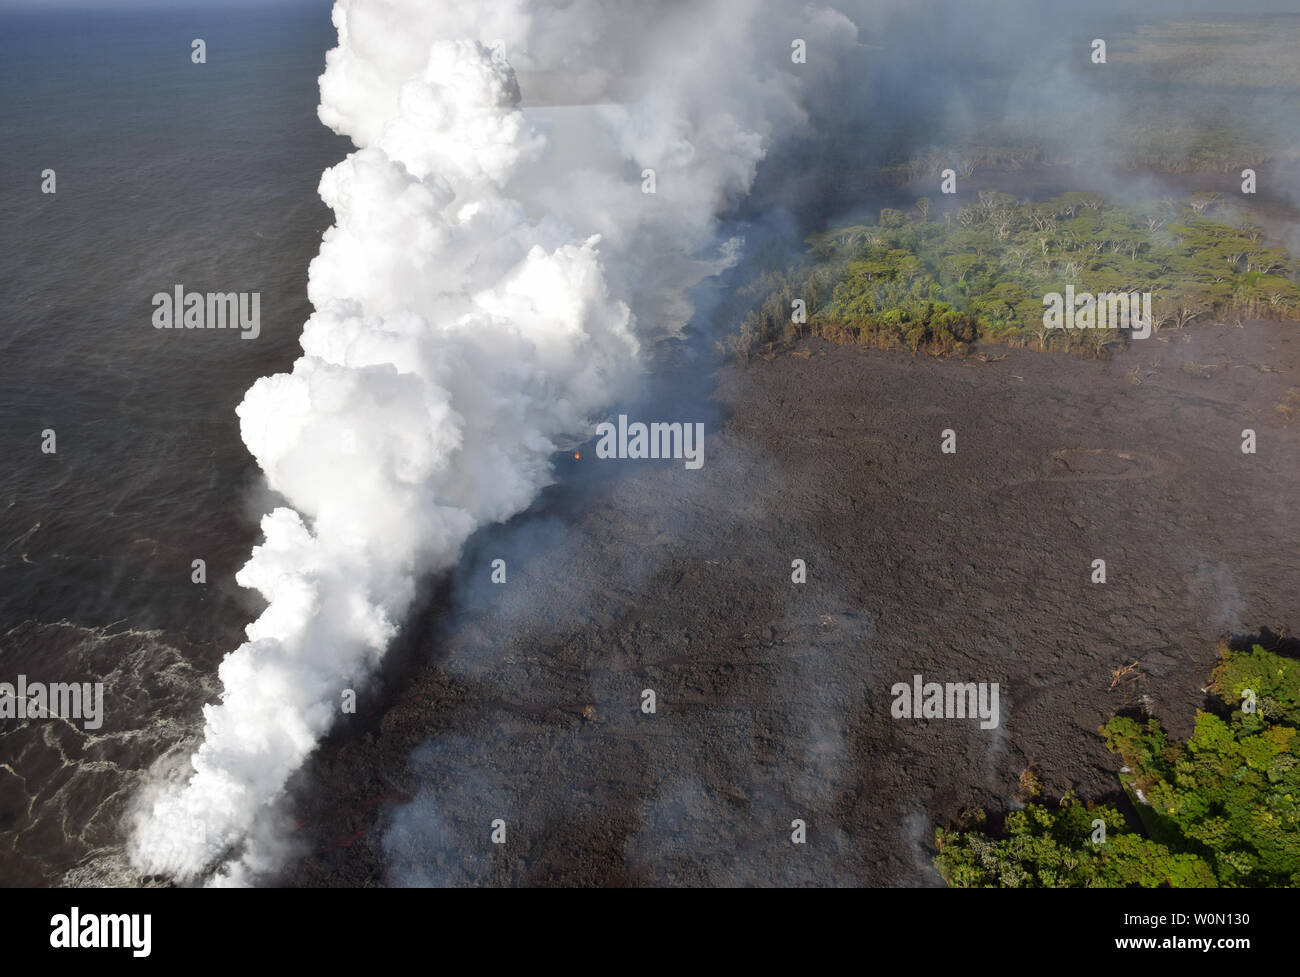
522,702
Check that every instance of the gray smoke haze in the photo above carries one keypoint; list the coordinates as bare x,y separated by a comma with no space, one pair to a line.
945,75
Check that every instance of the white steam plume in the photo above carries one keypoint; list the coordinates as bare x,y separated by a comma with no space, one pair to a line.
475,304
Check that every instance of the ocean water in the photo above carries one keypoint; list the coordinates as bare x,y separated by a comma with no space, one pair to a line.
167,173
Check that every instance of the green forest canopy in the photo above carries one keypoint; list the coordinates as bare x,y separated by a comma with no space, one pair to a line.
982,271
1222,809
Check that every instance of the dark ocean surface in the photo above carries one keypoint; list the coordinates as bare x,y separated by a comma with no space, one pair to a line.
168,173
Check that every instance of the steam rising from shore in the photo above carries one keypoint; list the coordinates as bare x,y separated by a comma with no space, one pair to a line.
490,281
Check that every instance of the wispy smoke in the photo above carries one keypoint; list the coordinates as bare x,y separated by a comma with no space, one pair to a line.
492,275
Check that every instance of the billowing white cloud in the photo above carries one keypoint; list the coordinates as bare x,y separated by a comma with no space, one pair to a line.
492,275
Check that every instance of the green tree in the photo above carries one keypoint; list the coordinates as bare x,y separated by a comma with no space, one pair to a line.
1221,809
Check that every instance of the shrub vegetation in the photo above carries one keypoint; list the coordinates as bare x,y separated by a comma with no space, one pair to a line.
981,272
1222,809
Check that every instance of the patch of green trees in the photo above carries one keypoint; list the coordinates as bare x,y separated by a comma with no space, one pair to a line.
1221,809
981,271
